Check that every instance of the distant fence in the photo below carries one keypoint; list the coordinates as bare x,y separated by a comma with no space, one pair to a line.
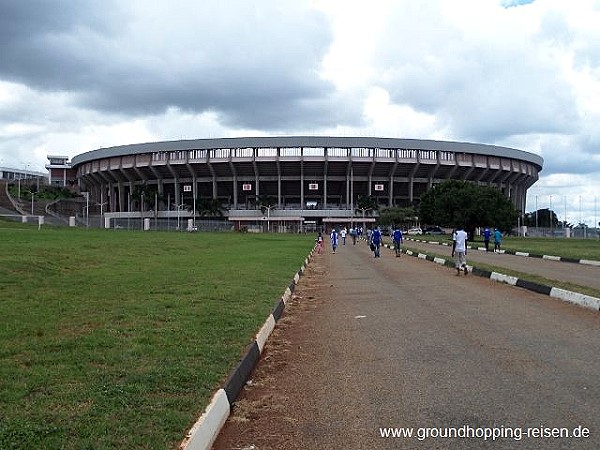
575,233
153,223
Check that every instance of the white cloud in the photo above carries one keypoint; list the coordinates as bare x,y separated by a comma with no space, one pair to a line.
525,74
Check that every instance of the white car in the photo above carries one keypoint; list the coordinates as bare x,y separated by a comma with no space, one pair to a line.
415,231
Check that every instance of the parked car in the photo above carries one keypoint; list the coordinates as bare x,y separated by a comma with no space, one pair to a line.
433,230
414,231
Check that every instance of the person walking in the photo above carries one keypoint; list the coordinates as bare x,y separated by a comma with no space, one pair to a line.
343,235
497,240
353,233
459,251
320,243
398,239
334,239
376,241
486,238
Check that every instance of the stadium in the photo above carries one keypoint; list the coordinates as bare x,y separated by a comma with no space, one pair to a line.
289,183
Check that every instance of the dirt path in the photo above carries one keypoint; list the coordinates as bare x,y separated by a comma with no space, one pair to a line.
371,343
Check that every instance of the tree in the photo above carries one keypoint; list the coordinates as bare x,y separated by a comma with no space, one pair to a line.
366,204
208,206
266,202
457,203
397,215
147,197
545,218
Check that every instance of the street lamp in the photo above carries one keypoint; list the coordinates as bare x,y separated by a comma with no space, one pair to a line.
364,210
101,205
269,208
179,208
86,194
551,217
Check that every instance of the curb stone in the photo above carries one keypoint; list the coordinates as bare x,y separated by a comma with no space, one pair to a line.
206,429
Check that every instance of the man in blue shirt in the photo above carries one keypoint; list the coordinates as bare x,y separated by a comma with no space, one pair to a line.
486,238
334,239
397,237
497,239
376,241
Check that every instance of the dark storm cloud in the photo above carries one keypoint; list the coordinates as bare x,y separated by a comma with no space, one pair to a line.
255,65
42,42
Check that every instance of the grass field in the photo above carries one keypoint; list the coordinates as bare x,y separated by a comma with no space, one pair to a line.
114,340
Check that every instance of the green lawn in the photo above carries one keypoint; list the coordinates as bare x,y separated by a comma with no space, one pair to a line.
568,248
113,339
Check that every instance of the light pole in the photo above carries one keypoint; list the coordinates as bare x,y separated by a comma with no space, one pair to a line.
87,207
364,210
269,208
179,208
101,205
188,188
352,197
551,217
536,214
142,209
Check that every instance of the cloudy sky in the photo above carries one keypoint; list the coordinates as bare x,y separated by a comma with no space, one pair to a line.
79,75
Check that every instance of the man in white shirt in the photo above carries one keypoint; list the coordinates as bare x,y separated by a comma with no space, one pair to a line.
459,250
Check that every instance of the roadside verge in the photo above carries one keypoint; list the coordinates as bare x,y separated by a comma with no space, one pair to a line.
204,432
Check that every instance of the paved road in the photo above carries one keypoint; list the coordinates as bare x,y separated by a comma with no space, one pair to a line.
401,342
580,274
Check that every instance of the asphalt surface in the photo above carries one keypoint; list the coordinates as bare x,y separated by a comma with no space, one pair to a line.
580,274
371,343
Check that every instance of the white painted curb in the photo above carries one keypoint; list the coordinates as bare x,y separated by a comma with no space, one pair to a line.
589,262
504,278
573,297
204,432
265,332
551,258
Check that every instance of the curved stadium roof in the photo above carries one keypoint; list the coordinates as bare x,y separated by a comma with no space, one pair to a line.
309,141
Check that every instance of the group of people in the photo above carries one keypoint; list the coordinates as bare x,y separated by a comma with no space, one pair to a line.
335,237
487,234
374,238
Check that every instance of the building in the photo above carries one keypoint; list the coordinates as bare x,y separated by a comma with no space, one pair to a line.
300,179
11,175
60,172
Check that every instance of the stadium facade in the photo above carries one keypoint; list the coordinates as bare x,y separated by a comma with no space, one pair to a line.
307,179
